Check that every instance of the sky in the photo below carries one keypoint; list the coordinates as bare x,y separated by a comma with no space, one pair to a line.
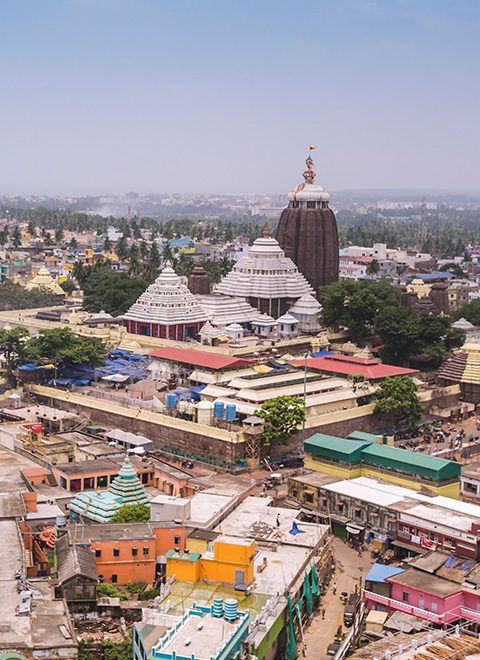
225,96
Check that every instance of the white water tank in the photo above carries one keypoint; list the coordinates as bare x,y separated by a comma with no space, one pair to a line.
204,412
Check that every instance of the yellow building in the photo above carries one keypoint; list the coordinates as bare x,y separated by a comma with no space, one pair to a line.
44,280
230,562
348,459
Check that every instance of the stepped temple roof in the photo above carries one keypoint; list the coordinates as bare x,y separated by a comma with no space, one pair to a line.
464,365
265,273
167,301
100,507
44,280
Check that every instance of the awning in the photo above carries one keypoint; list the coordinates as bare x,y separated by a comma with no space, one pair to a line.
353,529
116,378
410,546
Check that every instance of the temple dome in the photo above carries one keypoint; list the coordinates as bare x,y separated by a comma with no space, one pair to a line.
265,273
167,301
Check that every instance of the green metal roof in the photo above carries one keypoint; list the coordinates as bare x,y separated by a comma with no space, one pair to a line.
361,435
337,449
411,462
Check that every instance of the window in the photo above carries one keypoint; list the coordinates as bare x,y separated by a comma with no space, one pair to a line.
116,552
114,578
405,597
469,487
98,553
176,540
102,482
146,551
308,497
434,606
134,552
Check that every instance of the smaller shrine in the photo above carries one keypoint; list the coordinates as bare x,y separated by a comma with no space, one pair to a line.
43,280
100,507
167,309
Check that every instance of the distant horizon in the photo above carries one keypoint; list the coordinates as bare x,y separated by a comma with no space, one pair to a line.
228,96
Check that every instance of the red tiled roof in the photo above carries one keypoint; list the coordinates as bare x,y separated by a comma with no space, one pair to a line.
200,358
352,366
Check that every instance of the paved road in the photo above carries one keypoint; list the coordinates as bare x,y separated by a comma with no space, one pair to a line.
349,568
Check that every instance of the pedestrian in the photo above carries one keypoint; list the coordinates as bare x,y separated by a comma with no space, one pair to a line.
334,588
278,520
323,612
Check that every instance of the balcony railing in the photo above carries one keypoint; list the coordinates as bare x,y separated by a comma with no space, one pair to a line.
414,611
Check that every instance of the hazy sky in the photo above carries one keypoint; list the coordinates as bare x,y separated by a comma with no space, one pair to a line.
102,96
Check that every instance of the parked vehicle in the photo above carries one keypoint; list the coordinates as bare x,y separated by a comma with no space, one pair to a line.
351,609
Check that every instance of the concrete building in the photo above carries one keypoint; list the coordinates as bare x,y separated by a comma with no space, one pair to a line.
351,458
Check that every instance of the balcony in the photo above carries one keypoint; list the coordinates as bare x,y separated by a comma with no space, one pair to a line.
409,609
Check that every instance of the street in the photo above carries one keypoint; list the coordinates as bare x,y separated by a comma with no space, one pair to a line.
349,569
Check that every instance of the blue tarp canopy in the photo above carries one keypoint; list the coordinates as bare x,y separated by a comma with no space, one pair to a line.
29,367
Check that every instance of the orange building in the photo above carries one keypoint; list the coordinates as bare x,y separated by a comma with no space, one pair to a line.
231,562
133,553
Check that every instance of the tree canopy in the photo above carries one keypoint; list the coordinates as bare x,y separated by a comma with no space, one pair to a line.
132,513
356,304
282,416
111,291
469,311
13,346
63,348
397,400
15,296
405,332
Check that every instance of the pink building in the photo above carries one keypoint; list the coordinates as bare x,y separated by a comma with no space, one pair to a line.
426,596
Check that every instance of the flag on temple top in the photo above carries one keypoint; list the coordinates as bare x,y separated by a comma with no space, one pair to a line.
311,148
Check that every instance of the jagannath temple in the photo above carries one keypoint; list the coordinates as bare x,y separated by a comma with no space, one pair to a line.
167,309
307,231
101,506
267,279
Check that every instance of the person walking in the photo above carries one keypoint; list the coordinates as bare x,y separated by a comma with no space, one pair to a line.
323,612
334,588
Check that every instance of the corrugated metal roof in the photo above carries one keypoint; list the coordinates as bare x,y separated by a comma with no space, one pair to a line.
200,358
379,572
412,462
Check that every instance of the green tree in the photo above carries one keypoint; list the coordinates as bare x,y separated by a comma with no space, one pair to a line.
355,305
79,272
68,286
15,296
73,243
63,348
17,237
373,267
154,256
107,245
112,291
59,234
121,249
13,346
397,401
453,268
469,311
282,416
132,513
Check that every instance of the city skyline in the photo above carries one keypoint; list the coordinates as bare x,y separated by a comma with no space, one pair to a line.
106,97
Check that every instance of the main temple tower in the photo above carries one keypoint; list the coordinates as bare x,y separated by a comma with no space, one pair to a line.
307,231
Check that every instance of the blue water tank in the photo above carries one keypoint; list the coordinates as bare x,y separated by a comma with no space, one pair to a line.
230,412
171,400
218,409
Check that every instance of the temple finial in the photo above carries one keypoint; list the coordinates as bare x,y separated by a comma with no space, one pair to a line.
309,175
266,231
